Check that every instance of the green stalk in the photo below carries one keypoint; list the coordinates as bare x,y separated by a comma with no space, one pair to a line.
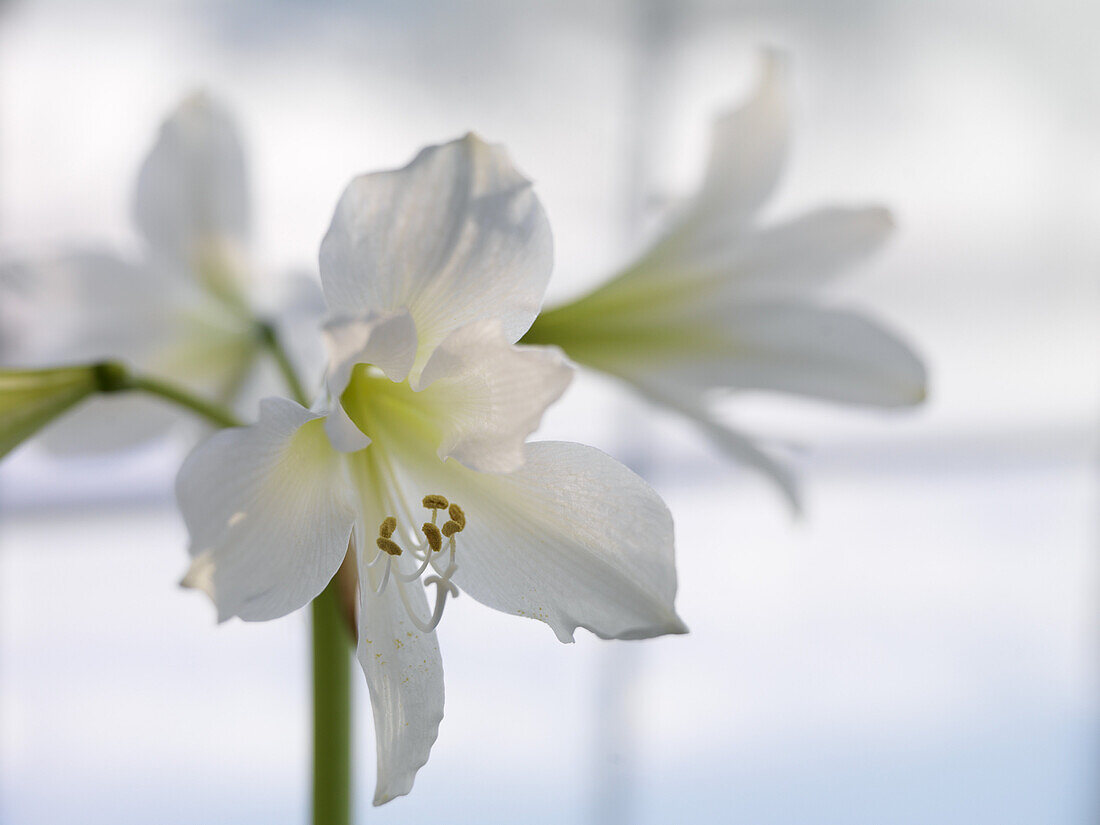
332,657
332,714
111,377
214,413
270,340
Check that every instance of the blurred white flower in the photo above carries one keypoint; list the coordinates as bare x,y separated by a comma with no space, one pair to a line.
180,310
721,303
432,272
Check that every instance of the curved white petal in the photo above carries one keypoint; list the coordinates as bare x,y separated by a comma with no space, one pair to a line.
192,190
84,306
744,450
733,443
791,347
89,306
572,538
404,672
342,433
827,353
787,259
385,341
798,255
748,149
455,236
269,513
489,395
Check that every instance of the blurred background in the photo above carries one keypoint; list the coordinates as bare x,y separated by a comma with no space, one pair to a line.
921,647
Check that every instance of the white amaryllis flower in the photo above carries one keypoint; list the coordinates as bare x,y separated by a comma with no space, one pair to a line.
721,303
432,273
179,310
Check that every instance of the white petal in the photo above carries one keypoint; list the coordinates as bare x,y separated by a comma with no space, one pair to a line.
733,443
798,348
802,254
489,394
269,513
84,306
192,190
386,341
342,433
748,149
572,538
89,306
456,236
744,450
788,259
827,353
404,673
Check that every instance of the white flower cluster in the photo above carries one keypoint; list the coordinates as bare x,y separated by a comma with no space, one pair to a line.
432,274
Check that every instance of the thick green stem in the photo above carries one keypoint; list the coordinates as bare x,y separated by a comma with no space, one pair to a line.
332,657
270,339
332,722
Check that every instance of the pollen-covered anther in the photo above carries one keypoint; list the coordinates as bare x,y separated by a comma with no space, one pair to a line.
450,528
457,516
388,546
386,528
434,537
435,502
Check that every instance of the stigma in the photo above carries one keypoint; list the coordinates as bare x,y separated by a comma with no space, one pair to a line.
438,550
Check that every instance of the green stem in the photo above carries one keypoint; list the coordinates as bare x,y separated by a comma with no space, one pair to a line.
332,722
119,381
270,339
332,708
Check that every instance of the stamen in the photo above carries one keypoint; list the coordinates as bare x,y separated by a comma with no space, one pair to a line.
416,574
431,533
385,575
431,554
437,614
435,502
457,516
388,546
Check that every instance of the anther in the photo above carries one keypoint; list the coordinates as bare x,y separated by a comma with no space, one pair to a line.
457,516
434,502
450,528
385,530
388,546
431,533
